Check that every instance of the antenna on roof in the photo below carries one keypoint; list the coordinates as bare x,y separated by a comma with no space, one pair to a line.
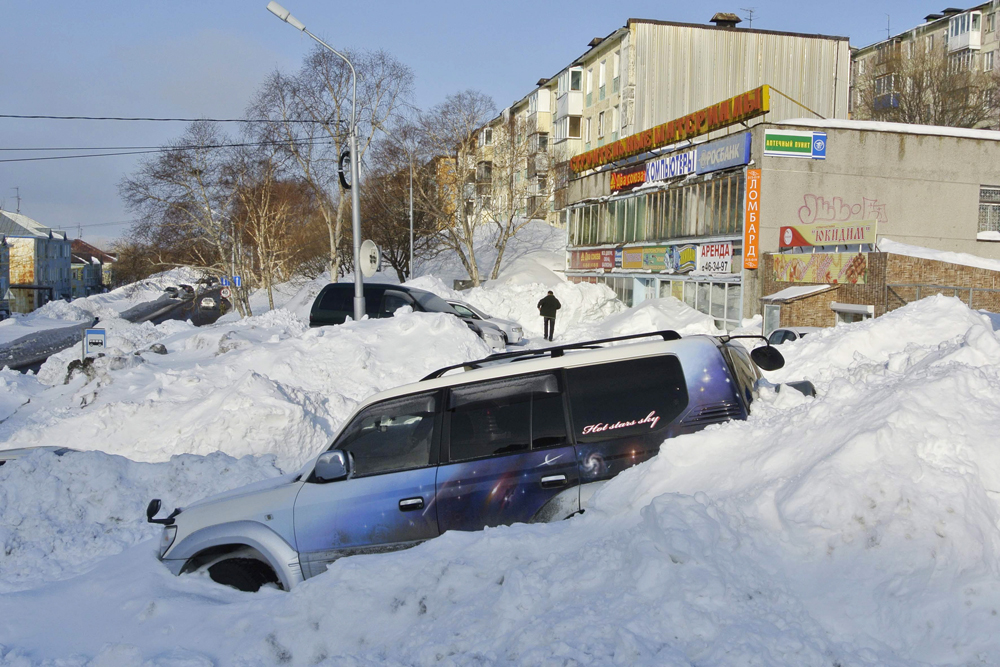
888,34
18,191
749,11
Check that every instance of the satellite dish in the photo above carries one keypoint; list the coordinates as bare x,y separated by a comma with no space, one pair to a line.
371,259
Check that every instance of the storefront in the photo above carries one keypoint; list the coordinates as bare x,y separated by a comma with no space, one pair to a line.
669,226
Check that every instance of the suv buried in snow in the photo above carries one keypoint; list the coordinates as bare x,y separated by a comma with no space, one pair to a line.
518,437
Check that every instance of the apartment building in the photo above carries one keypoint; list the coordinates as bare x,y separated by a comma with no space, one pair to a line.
920,75
39,262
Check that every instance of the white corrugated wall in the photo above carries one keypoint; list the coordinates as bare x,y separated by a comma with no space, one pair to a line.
678,70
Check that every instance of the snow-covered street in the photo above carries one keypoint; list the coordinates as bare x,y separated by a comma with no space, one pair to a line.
857,527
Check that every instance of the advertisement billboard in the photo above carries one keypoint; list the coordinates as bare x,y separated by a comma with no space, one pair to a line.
795,143
592,259
751,220
830,233
715,257
732,151
821,267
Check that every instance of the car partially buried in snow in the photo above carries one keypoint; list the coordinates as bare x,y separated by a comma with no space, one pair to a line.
518,437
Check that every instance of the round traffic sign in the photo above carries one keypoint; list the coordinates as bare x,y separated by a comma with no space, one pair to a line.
371,258
226,293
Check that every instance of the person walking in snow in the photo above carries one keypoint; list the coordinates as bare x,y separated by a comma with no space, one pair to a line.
547,308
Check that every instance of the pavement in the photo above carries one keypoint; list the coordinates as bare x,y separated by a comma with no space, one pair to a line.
30,352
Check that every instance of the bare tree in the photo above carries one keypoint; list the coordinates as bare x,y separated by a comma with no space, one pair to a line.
183,198
517,190
449,134
905,84
321,94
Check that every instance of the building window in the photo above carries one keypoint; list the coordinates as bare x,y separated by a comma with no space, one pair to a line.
848,313
586,132
602,70
574,127
614,124
929,44
989,211
615,70
486,137
590,86
988,61
991,22
542,144
600,124
576,79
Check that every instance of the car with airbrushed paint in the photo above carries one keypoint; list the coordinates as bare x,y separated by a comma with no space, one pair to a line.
518,437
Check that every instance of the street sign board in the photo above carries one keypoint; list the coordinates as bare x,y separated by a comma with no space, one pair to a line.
237,281
795,143
226,292
94,341
371,258
224,281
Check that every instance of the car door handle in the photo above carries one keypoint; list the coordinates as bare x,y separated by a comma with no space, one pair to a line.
552,481
410,504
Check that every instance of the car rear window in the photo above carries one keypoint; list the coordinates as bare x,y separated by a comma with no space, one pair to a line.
626,398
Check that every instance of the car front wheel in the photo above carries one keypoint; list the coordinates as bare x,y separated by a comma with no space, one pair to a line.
244,574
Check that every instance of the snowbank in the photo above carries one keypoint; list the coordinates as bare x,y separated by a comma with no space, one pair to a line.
856,528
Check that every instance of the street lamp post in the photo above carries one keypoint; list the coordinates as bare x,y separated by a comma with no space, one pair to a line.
359,290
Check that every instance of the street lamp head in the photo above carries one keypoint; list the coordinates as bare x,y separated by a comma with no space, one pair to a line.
284,15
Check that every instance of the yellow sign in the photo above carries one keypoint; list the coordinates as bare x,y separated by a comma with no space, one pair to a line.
738,109
821,267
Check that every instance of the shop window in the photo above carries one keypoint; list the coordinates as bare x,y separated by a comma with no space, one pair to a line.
640,218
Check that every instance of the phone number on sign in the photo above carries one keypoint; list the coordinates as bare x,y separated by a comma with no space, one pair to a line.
715,266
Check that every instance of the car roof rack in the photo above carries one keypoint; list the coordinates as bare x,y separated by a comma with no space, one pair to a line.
555,351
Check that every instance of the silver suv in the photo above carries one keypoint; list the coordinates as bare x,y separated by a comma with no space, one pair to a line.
518,437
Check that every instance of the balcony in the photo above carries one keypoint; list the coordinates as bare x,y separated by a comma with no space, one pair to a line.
965,32
570,104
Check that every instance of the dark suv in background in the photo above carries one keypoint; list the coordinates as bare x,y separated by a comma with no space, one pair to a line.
335,303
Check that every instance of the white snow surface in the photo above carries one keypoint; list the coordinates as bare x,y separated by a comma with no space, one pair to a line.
859,527
960,258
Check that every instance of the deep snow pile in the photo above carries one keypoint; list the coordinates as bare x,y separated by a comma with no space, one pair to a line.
856,528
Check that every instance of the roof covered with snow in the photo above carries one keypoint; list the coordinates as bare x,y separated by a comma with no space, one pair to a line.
903,128
961,258
797,292
18,224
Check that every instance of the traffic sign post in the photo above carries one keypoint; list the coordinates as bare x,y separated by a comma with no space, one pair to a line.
94,340
237,281
226,292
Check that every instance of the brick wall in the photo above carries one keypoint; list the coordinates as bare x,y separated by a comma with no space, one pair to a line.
930,273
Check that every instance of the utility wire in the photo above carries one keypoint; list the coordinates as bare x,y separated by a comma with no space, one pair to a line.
167,149
183,147
161,120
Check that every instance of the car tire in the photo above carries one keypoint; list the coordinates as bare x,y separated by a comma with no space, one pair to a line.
243,574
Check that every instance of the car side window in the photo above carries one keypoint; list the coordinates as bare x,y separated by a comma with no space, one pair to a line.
776,337
391,436
337,299
506,416
790,336
626,398
393,301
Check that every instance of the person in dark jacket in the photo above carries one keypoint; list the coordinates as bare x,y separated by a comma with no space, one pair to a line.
547,308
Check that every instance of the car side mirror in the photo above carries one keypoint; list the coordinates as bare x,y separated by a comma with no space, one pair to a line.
331,466
767,357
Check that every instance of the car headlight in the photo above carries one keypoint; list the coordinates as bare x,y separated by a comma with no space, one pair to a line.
167,538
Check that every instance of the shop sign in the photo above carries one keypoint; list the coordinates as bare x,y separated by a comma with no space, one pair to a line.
834,233
632,258
715,257
671,166
751,220
821,267
732,151
618,258
736,109
655,258
684,258
795,143
592,259
627,179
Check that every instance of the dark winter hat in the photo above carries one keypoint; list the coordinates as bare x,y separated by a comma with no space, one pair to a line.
550,291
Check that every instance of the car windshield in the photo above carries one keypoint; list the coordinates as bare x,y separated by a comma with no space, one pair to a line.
433,303
478,312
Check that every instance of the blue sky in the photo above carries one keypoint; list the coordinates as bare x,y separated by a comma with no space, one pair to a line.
197,59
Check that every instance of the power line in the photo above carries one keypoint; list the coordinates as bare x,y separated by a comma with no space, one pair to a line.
162,120
165,149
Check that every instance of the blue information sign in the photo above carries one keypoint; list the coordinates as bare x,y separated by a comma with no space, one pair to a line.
819,146
732,151
237,281
224,281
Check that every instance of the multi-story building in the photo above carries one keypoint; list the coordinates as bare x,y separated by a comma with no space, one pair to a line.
92,269
921,75
39,262
650,127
